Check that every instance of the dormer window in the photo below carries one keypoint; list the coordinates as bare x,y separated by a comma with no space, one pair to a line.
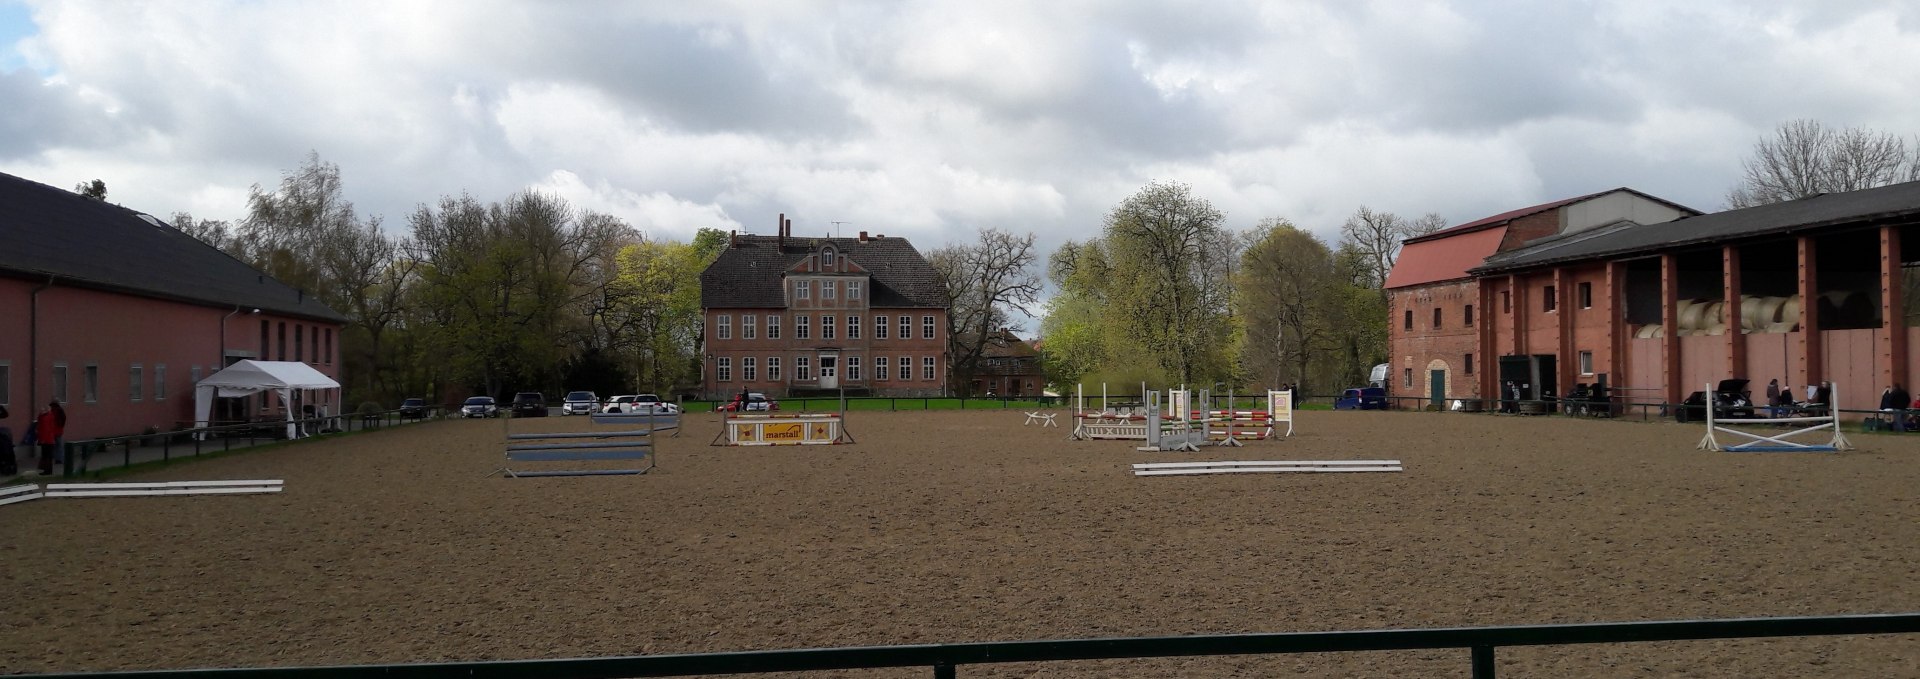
826,259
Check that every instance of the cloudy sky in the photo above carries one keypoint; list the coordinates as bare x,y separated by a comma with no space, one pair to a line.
931,119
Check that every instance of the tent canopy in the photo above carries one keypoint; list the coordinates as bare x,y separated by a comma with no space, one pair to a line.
246,378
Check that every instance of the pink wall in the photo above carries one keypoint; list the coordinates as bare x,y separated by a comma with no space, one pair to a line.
1771,356
1643,375
1703,361
112,332
1848,359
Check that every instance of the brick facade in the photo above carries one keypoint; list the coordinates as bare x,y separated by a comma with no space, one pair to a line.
1450,346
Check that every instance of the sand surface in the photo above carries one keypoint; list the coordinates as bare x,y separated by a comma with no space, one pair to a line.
966,526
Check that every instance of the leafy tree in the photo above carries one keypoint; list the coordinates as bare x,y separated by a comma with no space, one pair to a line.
95,189
1166,279
1295,301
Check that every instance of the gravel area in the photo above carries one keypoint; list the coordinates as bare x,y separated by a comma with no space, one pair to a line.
967,526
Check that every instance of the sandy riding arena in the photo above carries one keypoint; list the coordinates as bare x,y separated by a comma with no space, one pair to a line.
966,526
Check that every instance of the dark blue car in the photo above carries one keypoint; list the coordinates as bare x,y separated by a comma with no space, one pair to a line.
1366,398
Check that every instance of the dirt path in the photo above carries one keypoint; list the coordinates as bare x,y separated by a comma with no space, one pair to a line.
963,526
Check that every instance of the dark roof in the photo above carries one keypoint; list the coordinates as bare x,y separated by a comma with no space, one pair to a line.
748,274
1510,215
1004,344
1898,201
47,231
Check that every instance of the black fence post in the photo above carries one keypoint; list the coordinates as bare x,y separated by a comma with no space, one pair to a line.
1483,662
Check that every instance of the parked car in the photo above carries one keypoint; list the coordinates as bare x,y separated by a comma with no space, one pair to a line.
755,402
529,404
1363,398
479,406
619,404
1731,400
413,409
579,403
641,404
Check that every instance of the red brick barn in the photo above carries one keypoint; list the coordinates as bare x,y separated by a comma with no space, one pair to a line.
799,316
117,315
1439,336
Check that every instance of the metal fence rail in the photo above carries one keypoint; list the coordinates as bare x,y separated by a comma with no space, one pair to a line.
85,456
945,658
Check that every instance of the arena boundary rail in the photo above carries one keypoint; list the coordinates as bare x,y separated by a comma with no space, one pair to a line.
945,659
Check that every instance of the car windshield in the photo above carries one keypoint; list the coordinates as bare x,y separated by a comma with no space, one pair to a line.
647,398
623,399
526,396
480,401
756,398
580,396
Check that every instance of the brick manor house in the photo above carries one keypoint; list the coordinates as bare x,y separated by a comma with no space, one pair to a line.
798,316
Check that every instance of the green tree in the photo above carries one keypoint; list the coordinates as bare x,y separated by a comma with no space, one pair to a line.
1166,281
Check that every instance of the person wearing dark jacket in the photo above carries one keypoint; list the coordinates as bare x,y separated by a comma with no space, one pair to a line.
48,429
1895,400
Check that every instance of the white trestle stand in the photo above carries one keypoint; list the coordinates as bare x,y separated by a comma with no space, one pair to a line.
245,487
1827,425
12,494
1045,420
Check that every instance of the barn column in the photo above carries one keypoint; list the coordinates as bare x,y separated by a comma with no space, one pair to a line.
1615,308
1517,296
1892,352
1670,328
1489,358
1809,342
1567,364
1730,291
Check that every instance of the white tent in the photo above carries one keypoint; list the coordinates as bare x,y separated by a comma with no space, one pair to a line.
247,378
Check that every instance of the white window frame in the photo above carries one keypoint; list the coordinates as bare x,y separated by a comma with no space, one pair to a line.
802,326
773,368
906,369
827,328
827,288
747,326
1586,363
853,368
926,368
723,369
159,381
773,326
879,368
723,328
803,289
853,326
749,371
62,388
802,369
880,326
926,327
853,289
906,327
826,262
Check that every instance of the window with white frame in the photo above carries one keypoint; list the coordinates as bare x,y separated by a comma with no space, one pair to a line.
773,368
826,326
773,326
1586,363
853,368
802,289
906,368
159,381
880,368
853,326
136,376
90,382
60,383
725,369
926,327
879,327
926,368
906,327
853,289
726,327
827,288
802,368
747,326
748,371
803,327
826,262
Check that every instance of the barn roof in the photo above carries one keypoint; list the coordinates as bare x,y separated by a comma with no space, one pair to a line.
52,232
1443,259
1897,202
749,273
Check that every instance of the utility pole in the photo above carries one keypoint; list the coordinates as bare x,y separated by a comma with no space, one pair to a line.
836,228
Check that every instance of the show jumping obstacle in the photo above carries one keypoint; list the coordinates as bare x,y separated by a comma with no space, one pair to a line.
12,494
1264,466
1779,443
163,488
1045,420
626,444
1222,427
1231,427
783,429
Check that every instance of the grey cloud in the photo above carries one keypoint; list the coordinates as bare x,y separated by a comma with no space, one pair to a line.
38,116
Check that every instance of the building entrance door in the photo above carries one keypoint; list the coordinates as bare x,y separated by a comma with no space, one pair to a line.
1438,387
829,371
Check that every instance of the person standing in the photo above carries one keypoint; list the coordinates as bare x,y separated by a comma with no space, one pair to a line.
48,429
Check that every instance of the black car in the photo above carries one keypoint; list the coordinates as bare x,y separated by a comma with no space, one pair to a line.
529,404
1731,400
413,409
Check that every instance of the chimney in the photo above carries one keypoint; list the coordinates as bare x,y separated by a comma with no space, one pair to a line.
863,236
780,229
733,239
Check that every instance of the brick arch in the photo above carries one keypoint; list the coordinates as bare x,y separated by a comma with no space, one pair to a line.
1424,381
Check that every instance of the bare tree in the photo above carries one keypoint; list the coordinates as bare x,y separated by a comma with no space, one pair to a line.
1376,237
1806,158
987,281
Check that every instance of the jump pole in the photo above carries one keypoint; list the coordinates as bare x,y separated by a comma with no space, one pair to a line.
1779,442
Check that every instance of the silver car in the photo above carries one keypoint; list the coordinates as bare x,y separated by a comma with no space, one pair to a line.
580,403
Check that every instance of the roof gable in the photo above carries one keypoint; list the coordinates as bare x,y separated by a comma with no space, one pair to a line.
750,273
1510,215
52,232
1432,261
